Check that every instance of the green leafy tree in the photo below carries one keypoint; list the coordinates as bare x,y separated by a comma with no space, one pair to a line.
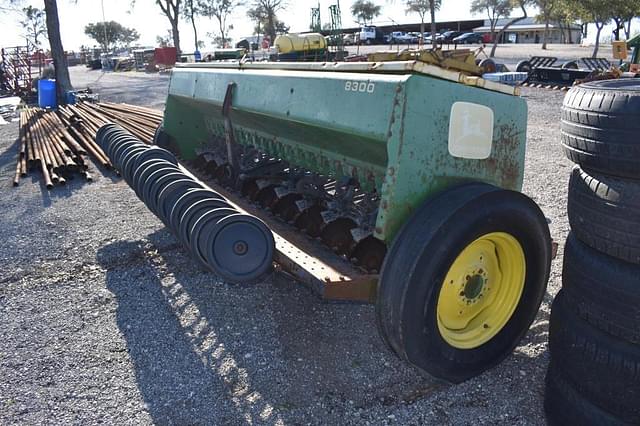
596,12
497,9
365,11
53,34
264,14
421,8
171,9
34,24
221,10
111,33
623,12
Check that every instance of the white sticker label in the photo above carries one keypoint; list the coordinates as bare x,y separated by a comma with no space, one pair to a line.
470,131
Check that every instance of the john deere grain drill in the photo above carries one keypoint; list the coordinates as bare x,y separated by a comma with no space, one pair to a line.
408,177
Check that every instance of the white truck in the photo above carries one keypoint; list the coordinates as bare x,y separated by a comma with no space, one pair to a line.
371,35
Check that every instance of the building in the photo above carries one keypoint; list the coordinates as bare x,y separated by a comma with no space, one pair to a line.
530,30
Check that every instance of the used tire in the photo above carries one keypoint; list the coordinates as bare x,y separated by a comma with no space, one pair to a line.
604,212
442,268
602,368
600,126
524,66
563,405
602,290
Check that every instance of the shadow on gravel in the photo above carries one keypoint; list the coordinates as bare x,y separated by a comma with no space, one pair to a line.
10,155
203,349
179,348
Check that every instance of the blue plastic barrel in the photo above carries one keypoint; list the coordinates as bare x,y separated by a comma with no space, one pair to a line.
47,93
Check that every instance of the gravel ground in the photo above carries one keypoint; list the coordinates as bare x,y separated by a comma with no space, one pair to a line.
106,319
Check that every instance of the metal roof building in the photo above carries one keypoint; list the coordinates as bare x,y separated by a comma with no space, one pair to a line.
530,30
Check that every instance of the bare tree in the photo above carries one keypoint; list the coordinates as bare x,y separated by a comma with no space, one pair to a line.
171,9
190,11
221,10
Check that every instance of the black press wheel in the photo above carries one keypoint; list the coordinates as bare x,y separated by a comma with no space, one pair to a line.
463,280
240,248
161,138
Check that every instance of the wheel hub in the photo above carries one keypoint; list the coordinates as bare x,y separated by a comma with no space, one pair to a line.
481,290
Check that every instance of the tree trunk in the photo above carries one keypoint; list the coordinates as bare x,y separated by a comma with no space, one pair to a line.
271,30
597,45
627,29
502,31
422,30
616,31
176,35
222,34
432,6
63,82
195,31
570,32
545,37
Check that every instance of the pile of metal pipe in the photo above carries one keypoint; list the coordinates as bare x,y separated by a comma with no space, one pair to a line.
58,143
234,245
47,143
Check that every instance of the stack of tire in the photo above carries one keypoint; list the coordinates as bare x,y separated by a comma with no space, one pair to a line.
236,246
594,330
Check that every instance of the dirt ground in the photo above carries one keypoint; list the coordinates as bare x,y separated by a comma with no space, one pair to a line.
105,318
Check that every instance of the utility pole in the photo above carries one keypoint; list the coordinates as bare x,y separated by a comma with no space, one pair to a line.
104,27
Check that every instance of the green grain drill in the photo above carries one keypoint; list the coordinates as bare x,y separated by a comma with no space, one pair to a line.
409,171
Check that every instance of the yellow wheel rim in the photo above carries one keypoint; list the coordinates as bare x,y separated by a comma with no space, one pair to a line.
481,290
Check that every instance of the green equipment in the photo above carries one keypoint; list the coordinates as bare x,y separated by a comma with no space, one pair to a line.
409,173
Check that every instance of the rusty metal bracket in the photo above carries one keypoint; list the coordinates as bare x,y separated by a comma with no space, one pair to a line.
229,137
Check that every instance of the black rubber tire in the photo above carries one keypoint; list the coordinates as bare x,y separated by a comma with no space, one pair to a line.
604,212
156,153
171,193
420,257
149,183
601,367
524,66
600,126
602,290
161,138
142,172
570,65
153,196
488,66
192,214
219,248
201,230
185,201
564,406
127,162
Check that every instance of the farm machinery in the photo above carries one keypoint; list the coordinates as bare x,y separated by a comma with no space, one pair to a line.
395,183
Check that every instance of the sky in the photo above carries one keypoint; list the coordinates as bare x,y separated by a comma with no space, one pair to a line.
145,16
